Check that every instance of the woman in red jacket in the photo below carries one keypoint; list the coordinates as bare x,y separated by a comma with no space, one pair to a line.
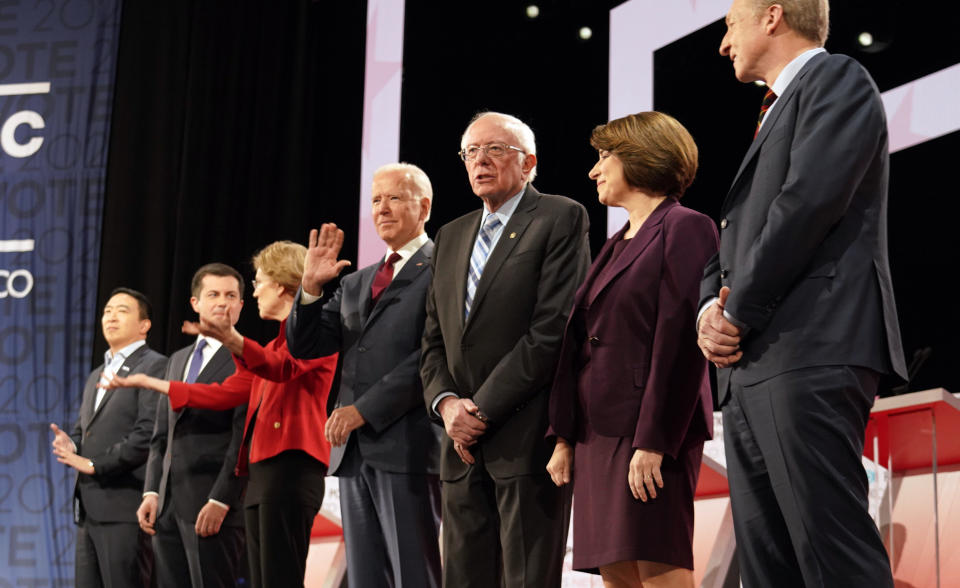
284,446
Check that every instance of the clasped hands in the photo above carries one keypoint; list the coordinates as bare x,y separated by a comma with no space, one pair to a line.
464,424
717,337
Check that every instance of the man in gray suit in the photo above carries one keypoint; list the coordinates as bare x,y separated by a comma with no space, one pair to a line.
384,445
503,286
191,498
797,307
108,447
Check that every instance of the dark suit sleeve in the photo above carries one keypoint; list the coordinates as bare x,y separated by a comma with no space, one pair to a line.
393,395
677,368
840,124
132,450
158,446
313,330
434,373
527,368
228,487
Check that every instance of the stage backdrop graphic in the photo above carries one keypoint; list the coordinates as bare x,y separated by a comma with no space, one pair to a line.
56,87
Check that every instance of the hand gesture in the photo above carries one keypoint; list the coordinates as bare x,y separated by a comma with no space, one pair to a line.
321,264
341,423
717,337
463,423
560,466
643,476
209,519
62,443
147,514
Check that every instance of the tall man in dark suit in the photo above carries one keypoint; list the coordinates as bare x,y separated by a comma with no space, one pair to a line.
797,308
504,279
108,447
191,498
384,446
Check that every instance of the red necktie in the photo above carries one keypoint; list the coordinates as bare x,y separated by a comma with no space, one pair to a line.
768,100
384,277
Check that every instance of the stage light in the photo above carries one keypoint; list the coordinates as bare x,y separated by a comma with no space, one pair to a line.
865,39
585,33
533,11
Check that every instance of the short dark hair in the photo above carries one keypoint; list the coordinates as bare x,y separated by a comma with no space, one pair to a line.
214,269
143,303
657,152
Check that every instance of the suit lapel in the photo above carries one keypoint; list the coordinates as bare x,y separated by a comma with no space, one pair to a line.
511,235
408,273
126,369
597,266
366,284
465,250
220,361
638,244
768,126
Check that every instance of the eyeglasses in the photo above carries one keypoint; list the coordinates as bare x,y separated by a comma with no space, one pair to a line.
491,150
256,283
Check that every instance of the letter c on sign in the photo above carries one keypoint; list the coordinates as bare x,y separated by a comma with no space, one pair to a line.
9,143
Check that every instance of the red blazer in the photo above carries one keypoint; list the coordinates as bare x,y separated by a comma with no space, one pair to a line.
287,395
648,379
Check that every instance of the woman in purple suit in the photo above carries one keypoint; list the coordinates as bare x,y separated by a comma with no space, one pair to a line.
631,404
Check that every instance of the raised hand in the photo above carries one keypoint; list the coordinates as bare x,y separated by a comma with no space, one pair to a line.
321,264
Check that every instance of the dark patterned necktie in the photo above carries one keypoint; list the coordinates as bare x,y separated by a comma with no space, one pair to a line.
768,100
384,277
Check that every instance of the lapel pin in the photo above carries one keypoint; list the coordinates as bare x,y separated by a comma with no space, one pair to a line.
513,235
419,264
125,368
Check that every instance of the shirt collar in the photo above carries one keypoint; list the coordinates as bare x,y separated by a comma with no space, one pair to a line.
212,344
407,251
789,72
506,209
123,353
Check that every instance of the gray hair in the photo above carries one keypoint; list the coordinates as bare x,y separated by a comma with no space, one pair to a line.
414,178
521,132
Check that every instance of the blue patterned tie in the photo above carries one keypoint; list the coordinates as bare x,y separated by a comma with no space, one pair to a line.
478,259
196,362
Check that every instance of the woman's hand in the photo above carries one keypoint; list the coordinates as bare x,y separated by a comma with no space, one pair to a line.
139,381
560,466
644,474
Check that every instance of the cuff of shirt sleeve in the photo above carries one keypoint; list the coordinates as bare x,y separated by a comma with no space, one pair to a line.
307,298
436,402
218,503
150,493
704,308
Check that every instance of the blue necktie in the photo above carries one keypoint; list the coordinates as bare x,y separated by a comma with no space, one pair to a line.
478,259
196,362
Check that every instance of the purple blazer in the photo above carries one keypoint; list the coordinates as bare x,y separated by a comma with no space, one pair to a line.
648,379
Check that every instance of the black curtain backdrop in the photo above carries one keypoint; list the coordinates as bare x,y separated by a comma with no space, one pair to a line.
235,124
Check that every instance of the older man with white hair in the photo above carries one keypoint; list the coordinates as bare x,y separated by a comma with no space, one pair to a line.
504,279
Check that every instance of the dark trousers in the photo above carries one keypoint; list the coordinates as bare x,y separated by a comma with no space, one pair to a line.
185,559
391,525
798,488
112,555
504,532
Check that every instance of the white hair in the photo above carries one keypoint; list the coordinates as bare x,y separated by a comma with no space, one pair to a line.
416,180
522,134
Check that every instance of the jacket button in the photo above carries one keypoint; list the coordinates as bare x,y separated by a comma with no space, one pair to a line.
723,274
594,340
723,223
276,424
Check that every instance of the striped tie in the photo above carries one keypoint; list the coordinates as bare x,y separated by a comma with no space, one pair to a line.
478,259
768,100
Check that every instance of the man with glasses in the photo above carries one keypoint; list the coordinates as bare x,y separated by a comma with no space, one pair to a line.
383,446
504,279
